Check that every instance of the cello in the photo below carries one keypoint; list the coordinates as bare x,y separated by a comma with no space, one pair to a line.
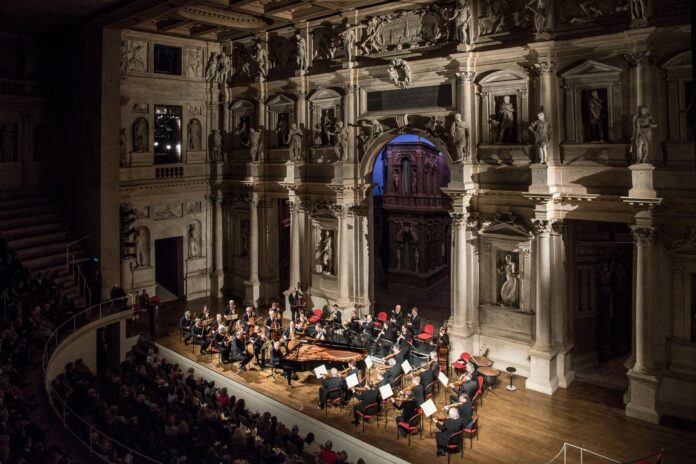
443,349
276,327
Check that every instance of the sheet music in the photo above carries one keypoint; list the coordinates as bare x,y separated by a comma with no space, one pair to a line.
321,371
368,362
428,408
443,378
386,391
406,366
352,380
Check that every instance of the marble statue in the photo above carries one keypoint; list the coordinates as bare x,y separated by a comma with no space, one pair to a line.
434,127
460,139
194,239
134,56
541,129
255,144
506,118
318,135
242,131
325,252
540,10
217,146
261,59
281,130
142,247
194,59
462,21
301,52
493,20
369,43
509,288
211,68
140,135
370,129
295,142
400,73
596,108
123,148
224,68
349,37
341,143
638,10
194,134
643,124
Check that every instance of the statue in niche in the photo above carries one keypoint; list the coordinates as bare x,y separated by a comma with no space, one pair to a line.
396,180
349,36
493,20
242,131
295,142
596,112
327,126
325,253
325,43
224,69
318,135
509,284
194,134
506,118
244,232
638,10
216,152
541,129
540,11
434,127
142,247
255,144
460,138
140,135
643,124
123,148
261,59
341,144
282,130
211,68
400,73
301,52
194,239
462,21
493,129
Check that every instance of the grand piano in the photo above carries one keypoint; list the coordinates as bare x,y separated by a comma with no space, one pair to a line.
311,353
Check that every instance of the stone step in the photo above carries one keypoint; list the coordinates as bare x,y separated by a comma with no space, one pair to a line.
42,250
35,220
25,211
32,231
39,240
43,263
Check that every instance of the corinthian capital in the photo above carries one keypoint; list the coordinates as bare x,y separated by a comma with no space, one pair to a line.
465,77
545,67
643,235
542,227
638,58
458,219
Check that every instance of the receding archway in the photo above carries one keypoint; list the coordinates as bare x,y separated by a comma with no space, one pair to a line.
409,230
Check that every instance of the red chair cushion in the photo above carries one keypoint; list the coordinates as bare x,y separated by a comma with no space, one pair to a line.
465,356
382,316
155,300
458,365
424,336
314,319
377,324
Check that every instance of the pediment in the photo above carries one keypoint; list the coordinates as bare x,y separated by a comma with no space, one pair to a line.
325,94
682,61
507,230
504,77
591,68
281,100
242,104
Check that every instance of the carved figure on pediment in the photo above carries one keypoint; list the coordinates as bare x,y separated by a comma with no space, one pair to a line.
216,151
493,19
194,134
194,239
541,129
123,148
369,43
341,144
643,124
261,59
295,142
301,52
506,118
140,135
462,21
255,144
540,9
460,139
349,37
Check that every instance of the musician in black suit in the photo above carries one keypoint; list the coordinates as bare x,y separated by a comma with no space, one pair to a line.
185,324
331,388
294,302
258,340
401,353
409,408
336,314
466,410
369,403
198,335
397,317
220,342
352,369
269,320
469,384
239,352
430,375
248,315
276,355
414,321
447,428
231,308
393,373
418,391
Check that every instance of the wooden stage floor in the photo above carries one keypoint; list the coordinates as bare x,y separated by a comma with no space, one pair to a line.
515,427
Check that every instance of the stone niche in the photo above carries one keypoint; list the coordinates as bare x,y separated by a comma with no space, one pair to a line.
281,114
324,254
242,118
679,88
326,108
505,287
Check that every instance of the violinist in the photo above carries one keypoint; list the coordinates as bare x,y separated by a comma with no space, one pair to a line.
331,388
408,408
231,309
198,334
258,340
393,373
469,383
335,314
185,324
249,317
369,403
221,341
465,407
352,369
429,376
294,301
447,428
368,326
206,318
397,317
417,390
354,325
239,352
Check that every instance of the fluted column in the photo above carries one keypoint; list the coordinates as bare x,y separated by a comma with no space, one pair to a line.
294,244
210,233
252,284
642,91
550,106
542,230
344,255
458,222
644,268
350,122
560,323
219,271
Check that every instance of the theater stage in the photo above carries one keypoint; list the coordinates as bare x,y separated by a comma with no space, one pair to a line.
515,427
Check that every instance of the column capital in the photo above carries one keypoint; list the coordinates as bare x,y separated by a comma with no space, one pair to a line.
638,58
293,206
545,68
301,94
557,227
465,77
542,227
458,220
352,88
643,235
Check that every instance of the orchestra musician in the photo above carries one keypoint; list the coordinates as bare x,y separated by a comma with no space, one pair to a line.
442,337
409,408
231,308
294,301
368,403
289,332
275,356
397,317
465,407
206,318
393,373
185,324
270,320
469,383
331,388
302,324
317,331
198,333
259,340
239,352
352,369
417,390
335,314
221,342
430,375
447,428
414,321
405,339
354,325
248,317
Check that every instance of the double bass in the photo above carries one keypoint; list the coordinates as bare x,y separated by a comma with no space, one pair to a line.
276,327
443,351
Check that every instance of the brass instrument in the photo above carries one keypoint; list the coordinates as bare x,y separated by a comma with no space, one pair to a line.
453,405
415,372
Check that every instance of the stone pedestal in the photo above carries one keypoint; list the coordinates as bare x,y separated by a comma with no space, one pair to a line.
642,181
543,368
293,171
543,177
566,371
463,173
644,390
256,169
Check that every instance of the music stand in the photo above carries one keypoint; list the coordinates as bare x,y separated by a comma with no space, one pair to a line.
511,371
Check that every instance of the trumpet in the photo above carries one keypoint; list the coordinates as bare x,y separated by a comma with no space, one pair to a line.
415,372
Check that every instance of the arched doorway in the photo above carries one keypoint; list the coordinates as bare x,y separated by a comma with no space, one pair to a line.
409,226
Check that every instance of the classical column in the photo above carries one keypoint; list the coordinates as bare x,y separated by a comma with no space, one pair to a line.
350,122
643,92
252,284
294,244
466,105
560,325
344,256
644,268
458,223
210,233
219,271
